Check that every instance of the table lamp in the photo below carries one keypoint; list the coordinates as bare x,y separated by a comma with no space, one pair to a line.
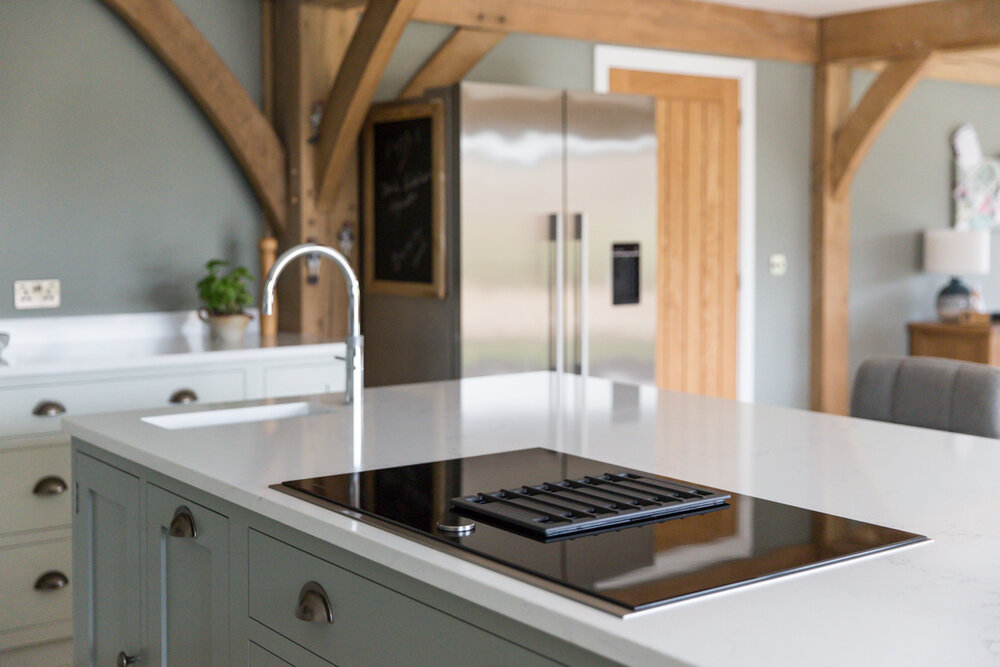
956,252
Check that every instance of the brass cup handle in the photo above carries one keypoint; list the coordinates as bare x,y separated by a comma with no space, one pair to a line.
183,525
313,605
52,580
50,486
184,397
49,409
124,660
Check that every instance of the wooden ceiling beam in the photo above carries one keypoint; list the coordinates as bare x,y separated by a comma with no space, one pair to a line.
452,60
856,135
685,25
347,104
909,30
164,28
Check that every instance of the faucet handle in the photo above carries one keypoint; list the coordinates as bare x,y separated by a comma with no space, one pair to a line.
4,340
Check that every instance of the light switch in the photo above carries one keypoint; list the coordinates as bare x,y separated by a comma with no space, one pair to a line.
779,265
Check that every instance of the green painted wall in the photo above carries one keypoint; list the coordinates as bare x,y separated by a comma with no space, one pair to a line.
902,188
111,179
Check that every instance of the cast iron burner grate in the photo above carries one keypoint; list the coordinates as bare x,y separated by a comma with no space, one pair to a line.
576,506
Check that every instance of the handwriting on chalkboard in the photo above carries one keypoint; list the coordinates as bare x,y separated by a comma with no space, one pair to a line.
401,192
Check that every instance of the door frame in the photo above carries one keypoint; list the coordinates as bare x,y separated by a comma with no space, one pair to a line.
608,57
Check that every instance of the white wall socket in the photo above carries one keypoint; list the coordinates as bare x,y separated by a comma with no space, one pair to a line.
30,294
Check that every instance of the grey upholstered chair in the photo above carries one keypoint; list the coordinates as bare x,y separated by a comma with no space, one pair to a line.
944,394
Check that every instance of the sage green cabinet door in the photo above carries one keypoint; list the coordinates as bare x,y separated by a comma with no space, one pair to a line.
187,582
262,658
107,571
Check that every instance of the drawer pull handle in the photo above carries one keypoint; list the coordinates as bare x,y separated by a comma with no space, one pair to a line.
52,580
182,525
50,486
49,409
184,396
124,659
314,605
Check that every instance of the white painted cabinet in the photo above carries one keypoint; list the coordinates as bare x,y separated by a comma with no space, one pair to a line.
35,473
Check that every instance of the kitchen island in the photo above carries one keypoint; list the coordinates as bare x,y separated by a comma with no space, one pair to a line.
933,603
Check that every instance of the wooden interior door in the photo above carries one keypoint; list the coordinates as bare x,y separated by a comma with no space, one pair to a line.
698,279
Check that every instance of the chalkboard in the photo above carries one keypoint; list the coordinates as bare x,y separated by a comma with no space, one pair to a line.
404,195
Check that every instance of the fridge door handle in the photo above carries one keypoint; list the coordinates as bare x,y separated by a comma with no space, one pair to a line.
582,365
556,332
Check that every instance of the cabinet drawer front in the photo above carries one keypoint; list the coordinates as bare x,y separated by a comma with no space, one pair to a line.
21,470
21,567
373,625
300,379
110,395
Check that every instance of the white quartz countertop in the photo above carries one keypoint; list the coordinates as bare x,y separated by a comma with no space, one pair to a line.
60,345
934,603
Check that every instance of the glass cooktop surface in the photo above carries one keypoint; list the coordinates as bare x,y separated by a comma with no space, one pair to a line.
616,538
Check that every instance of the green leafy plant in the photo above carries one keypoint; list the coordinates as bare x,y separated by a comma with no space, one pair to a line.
225,294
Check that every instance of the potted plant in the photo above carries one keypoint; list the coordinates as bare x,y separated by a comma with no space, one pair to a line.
224,297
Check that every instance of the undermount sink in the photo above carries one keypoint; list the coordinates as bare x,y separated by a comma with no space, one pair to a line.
258,413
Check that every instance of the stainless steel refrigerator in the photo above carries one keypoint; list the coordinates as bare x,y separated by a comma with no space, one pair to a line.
551,243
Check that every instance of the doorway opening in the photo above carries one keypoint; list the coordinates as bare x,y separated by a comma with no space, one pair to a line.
705,127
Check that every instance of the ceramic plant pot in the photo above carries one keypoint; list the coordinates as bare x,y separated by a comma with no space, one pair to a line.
225,329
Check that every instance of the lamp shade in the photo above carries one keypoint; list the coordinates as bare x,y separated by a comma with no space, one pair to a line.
957,251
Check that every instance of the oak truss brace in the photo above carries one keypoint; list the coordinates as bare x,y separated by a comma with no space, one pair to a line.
347,104
452,60
858,132
201,71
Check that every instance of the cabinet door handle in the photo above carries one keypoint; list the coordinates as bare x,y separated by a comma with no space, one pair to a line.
184,396
50,486
183,525
49,409
314,605
124,660
51,581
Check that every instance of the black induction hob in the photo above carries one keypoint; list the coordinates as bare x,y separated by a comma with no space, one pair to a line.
618,539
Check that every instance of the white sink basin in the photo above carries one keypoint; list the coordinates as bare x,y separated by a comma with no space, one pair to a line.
258,413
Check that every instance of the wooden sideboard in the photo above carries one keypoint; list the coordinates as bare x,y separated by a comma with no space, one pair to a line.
965,342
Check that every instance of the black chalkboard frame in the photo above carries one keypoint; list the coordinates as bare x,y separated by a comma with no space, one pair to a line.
393,113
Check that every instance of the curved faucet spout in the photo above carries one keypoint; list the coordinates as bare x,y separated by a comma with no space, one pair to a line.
354,358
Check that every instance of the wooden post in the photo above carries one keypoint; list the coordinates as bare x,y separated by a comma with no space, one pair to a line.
830,246
309,43
268,247
841,140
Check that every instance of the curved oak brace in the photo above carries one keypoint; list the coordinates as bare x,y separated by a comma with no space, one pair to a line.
190,57
452,60
858,132
347,105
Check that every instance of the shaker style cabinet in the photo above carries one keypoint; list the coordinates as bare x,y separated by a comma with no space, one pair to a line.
183,570
36,582
107,565
173,576
187,582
